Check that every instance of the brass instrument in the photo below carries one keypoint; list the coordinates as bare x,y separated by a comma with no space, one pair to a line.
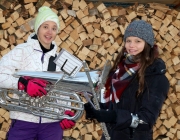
62,94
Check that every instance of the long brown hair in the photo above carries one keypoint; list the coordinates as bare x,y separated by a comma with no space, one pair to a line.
145,58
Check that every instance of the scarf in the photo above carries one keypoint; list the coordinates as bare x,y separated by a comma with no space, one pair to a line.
120,79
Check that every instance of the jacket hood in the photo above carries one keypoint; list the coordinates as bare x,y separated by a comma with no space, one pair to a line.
158,67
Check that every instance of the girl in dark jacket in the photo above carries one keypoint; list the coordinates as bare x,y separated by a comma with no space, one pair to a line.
135,89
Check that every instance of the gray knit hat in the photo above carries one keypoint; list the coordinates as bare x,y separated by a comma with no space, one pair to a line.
141,29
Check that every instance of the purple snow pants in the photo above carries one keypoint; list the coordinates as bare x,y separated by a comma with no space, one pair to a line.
22,130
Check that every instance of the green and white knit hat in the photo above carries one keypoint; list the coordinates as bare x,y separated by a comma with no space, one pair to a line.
45,14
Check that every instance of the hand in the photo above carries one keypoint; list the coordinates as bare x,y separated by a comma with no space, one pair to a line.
65,123
32,86
21,86
99,115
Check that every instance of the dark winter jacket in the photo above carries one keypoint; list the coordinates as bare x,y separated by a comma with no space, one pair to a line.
147,105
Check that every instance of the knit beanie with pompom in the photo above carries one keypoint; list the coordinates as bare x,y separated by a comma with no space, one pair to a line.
45,14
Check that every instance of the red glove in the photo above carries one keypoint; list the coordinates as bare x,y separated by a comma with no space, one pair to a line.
65,123
21,86
32,86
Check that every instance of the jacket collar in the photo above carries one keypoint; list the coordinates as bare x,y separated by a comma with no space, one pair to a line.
157,68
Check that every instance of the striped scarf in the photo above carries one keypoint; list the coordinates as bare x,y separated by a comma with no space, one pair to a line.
120,79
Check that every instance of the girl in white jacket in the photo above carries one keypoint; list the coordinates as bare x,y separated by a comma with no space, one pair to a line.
34,55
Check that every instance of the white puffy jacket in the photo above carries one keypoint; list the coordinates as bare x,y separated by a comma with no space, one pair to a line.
25,56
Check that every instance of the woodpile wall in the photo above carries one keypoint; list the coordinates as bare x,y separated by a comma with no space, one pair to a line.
94,32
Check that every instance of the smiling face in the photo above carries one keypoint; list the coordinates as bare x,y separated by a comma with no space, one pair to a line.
47,33
134,45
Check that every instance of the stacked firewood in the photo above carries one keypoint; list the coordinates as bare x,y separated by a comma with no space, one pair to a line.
94,32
